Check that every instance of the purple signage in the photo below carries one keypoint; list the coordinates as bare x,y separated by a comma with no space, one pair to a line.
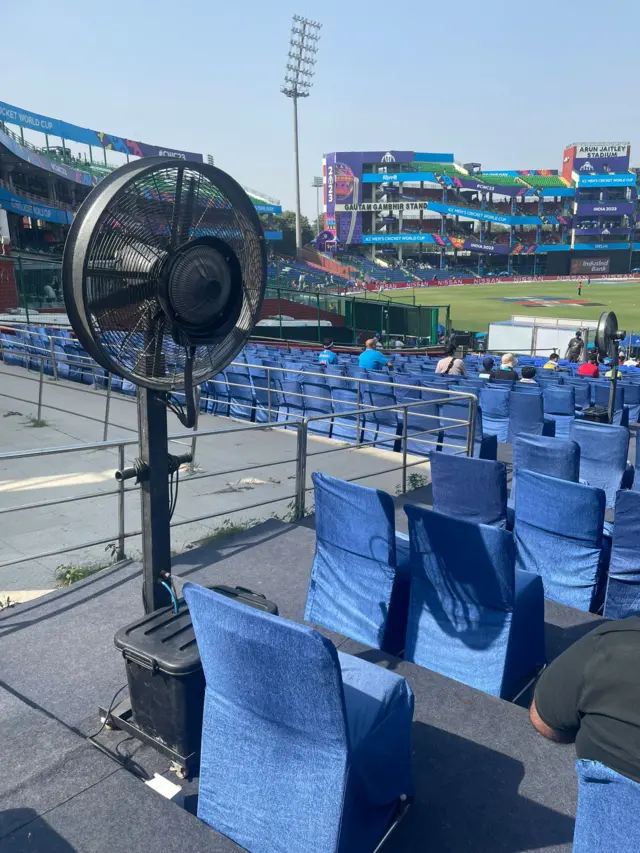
601,157
344,186
605,208
330,189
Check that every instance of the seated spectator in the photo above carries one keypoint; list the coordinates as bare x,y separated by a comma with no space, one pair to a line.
590,695
631,361
529,375
450,365
609,373
371,359
506,369
328,356
552,364
488,371
590,367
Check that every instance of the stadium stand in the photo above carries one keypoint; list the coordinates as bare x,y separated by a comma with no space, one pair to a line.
440,169
501,180
544,180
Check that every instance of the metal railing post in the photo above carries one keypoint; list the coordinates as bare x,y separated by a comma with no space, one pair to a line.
121,554
268,395
359,426
53,359
471,434
40,385
405,409
301,471
107,406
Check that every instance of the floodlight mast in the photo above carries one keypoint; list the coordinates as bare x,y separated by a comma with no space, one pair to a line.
297,83
317,183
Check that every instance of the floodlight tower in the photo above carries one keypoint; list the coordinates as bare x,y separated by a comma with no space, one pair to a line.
297,82
317,183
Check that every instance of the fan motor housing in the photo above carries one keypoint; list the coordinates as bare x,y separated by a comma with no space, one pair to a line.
200,290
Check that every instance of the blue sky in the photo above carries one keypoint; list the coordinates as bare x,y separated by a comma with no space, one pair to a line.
502,83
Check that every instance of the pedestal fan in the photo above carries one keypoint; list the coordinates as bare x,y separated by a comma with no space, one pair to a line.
164,272
608,337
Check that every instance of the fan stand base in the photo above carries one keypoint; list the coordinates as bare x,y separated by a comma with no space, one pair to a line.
121,718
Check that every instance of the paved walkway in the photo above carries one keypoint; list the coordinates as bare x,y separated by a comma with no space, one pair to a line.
268,457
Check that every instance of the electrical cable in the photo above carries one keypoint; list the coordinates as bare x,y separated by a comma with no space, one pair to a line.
176,607
123,761
106,719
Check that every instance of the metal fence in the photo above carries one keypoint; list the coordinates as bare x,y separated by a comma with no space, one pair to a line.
346,316
432,436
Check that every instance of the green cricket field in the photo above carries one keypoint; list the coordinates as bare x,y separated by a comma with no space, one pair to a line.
474,306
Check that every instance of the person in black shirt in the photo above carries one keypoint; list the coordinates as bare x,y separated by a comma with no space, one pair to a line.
575,347
506,369
591,695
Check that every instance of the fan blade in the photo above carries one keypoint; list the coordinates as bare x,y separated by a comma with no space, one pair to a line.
124,298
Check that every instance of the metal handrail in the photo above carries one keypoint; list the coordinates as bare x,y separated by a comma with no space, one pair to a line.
299,423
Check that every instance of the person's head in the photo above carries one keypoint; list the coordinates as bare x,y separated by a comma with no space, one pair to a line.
578,332
554,357
508,361
451,350
593,356
488,364
371,343
328,343
528,372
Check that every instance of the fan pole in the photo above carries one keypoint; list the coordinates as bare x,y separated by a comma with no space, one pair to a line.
614,380
154,497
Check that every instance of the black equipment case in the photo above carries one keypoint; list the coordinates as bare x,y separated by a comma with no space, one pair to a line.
599,414
165,678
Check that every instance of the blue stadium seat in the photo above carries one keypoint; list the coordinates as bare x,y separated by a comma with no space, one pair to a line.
554,457
242,403
608,814
560,407
346,427
601,393
623,588
292,404
472,616
603,456
293,729
558,532
526,416
454,439
317,402
469,488
360,579
494,403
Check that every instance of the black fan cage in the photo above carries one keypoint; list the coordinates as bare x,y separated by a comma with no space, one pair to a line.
121,245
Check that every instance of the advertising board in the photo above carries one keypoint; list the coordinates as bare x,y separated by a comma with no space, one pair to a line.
64,130
590,266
